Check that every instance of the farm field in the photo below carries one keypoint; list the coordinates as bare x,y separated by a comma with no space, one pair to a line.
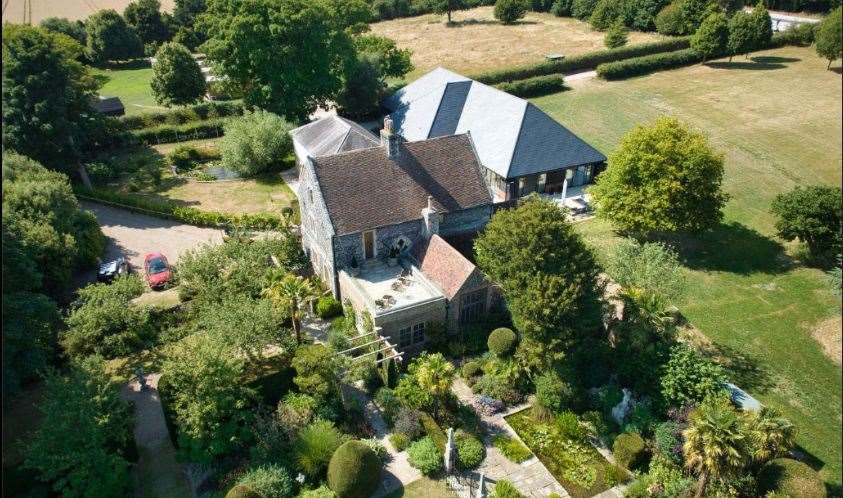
777,119
478,42
19,11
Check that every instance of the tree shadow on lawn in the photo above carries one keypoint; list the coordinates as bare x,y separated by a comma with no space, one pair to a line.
731,247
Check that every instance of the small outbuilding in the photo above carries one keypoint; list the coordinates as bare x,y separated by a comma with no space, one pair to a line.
110,106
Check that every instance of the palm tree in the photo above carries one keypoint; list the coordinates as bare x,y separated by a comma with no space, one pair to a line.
771,435
715,441
434,374
292,293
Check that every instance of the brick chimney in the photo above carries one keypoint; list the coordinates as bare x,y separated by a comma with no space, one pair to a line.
389,140
431,219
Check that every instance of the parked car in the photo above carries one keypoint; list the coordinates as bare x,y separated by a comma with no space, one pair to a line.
113,269
157,270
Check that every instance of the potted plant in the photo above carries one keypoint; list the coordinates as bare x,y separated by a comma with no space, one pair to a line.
354,269
392,256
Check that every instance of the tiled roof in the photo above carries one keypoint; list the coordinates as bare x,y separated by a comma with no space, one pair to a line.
513,137
365,189
444,265
331,135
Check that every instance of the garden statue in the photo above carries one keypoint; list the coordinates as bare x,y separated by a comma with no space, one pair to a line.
449,451
481,492
620,410
141,379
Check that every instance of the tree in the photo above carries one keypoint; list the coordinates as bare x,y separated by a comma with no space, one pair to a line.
210,401
652,267
616,35
46,96
433,374
292,293
176,76
110,38
770,434
73,29
394,62
712,36
688,378
546,272
145,17
313,43
363,88
85,429
30,321
663,177
507,11
741,34
255,143
693,13
184,23
447,6
829,37
317,372
606,12
669,20
714,442
812,214
763,26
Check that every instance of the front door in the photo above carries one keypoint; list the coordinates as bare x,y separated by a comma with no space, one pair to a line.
369,244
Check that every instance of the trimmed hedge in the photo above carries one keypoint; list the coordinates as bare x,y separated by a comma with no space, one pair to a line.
432,429
189,215
328,307
792,477
536,86
502,341
647,64
630,450
354,470
581,62
198,112
179,133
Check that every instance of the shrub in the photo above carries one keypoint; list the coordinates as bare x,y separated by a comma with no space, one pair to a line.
561,8
813,215
315,445
471,369
552,392
270,481
509,11
242,491
425,456
433,431
605,13
296,410
669,20
536,86
378,448
328,307
399,441
320,492
569,426
690,378
408,422
203,111
616,35
354,471
255,143
511,448
388,403
505,489
647,64
667,441
582,9
581,62
794,478
629,450
168,133
502,341
470,451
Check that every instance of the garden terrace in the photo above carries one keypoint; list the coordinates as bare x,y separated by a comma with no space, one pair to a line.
390,289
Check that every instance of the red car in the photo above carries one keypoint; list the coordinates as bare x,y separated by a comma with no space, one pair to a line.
157,270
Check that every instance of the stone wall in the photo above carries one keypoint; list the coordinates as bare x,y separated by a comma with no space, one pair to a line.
346,246
467,220
316,229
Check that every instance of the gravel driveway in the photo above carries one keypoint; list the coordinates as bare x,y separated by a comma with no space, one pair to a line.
134,235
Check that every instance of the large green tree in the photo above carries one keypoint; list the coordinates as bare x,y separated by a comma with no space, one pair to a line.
73,29
741,34
145,17
763,26
311,50
110,38
394,62
185,14
662,178
814,215
363,88
255,143
46,96
447,6
711,37
176,76
80,444
830,38
546,272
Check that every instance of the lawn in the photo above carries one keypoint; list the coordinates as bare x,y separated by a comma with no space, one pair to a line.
131,84
777,119
477,42
423,488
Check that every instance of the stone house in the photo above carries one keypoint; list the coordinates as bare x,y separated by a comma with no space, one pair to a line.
375,219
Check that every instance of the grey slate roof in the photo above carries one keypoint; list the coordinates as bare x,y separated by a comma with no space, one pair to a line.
365,189
331,135
513,137
110,106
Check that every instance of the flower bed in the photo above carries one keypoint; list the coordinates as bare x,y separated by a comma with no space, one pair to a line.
576,464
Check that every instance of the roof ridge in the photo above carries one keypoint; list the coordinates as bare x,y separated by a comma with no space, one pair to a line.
517,138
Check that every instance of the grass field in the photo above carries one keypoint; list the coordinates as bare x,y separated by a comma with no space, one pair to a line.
777,119
19,11
423,488
131,85
478,42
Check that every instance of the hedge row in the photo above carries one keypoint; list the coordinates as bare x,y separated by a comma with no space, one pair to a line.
582,62
198,112
648,64
432,429
535,86
178,133
172,211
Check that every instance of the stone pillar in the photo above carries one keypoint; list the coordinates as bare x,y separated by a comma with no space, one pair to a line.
481,491
450,451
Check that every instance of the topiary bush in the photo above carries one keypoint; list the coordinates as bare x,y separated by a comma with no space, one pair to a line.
425,456
354,470
791,477
630,451
470,451
328,307
502,341
471,369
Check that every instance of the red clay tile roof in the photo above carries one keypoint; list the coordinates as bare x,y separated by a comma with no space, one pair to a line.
445,265
365,189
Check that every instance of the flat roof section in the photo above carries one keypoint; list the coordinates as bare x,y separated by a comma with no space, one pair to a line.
392,288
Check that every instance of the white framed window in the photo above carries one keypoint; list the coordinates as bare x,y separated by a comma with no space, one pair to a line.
405,337
418,333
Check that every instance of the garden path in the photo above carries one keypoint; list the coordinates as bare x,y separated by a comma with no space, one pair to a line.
530,477
158,473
